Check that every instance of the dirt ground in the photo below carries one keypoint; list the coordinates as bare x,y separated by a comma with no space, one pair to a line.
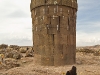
86,63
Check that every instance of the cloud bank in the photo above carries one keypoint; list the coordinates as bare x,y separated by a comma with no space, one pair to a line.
15,24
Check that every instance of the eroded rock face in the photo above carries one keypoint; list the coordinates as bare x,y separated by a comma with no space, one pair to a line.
29,53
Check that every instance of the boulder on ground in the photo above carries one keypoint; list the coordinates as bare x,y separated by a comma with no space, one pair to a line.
29,53
22,50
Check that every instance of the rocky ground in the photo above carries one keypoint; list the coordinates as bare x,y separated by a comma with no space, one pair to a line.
87,63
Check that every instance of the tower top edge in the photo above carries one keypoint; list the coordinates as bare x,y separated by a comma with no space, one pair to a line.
37,3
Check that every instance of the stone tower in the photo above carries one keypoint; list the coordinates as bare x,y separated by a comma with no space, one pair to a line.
54,31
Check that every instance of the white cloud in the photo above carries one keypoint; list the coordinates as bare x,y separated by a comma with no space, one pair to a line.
84,39
88,33
15,24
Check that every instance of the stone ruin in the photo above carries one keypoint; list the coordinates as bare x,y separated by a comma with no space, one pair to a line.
54,31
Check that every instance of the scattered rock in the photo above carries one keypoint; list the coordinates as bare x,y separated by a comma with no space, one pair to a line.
17,55
3,46
14,47
29,53
97,53
22,50
2,51
11,63
85,50
9,55
13,54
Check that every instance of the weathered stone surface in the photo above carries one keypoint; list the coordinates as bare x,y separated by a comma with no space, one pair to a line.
54,31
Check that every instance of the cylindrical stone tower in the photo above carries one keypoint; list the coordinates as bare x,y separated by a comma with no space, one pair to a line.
54,31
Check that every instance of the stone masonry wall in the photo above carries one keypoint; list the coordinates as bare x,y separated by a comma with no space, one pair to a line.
54,31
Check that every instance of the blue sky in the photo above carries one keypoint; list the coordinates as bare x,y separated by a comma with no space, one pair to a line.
88,22
16,25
